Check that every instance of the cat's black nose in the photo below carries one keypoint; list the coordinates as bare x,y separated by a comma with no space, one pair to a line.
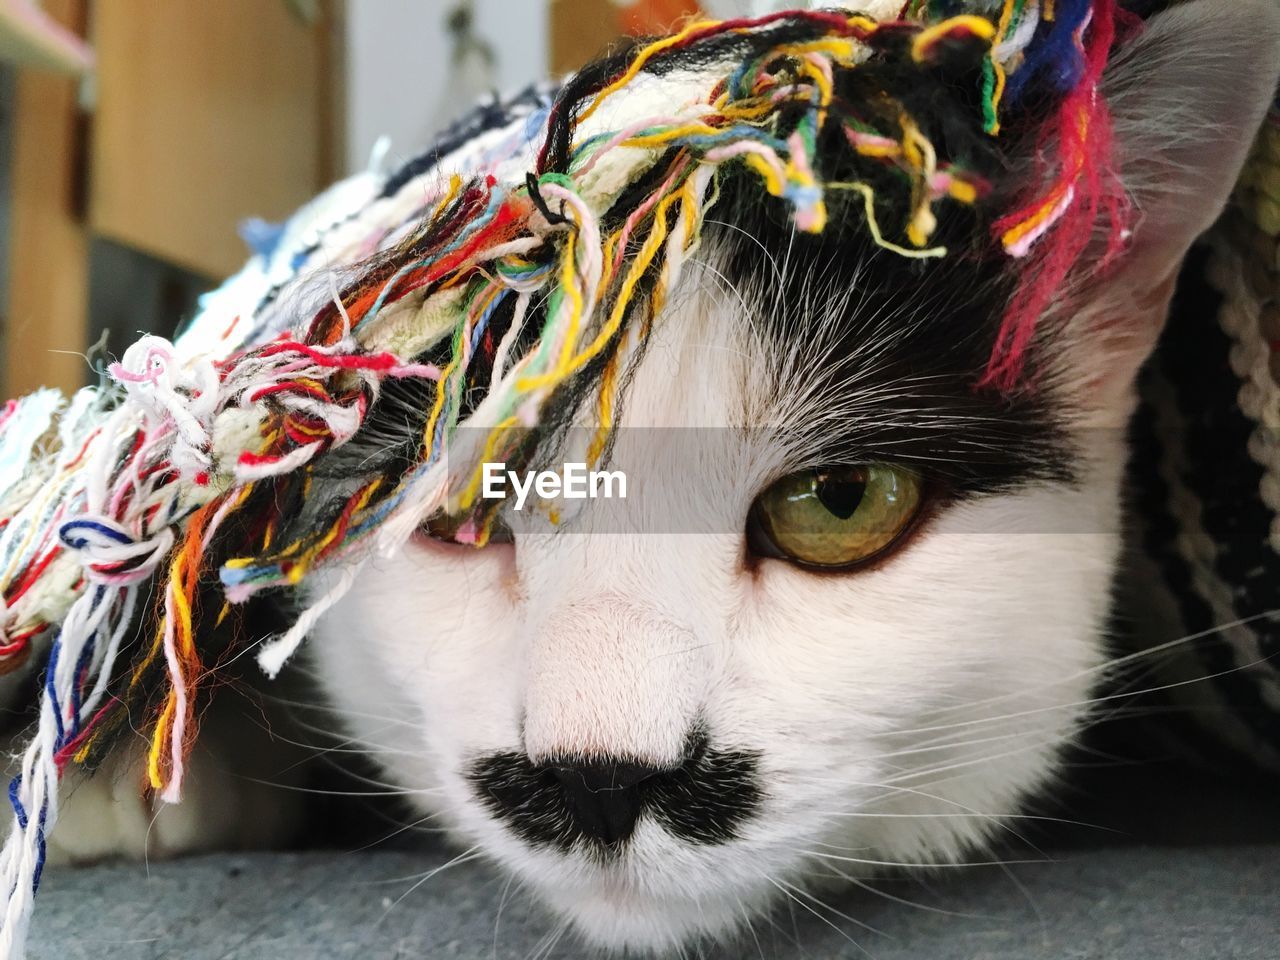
604,799
565,802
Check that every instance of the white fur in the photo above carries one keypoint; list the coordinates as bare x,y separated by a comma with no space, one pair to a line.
940,683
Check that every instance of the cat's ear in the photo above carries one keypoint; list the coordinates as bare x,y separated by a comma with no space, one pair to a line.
1187,95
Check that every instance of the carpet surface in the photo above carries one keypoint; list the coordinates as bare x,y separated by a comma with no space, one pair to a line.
1123,902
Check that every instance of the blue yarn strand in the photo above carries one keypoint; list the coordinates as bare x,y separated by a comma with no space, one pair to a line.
1052,52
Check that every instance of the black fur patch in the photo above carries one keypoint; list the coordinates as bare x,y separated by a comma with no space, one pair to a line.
905,342
915,335
704,801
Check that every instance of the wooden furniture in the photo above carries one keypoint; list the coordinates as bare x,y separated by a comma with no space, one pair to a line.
206,113
48,266
203,114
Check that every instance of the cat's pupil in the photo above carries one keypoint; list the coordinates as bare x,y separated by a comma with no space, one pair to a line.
841,491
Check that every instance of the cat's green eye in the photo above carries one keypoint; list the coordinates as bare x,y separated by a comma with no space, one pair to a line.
835,516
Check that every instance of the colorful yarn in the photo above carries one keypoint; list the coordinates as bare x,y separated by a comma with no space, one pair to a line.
515,293
1082,186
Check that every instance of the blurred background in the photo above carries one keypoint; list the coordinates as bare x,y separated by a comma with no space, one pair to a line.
138,136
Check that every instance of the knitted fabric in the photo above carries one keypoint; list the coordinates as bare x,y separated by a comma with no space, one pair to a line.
1206,489
513,269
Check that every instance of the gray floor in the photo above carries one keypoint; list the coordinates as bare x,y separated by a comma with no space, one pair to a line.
1153,862
1128,903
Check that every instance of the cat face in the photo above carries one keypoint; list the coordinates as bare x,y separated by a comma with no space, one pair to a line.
654,728
658,723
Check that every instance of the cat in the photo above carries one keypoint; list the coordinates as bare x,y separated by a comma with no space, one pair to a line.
662,716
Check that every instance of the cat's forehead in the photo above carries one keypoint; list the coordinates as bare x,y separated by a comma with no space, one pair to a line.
814,350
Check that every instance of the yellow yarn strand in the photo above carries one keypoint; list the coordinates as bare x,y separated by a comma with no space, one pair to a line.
980,27
182,628
648,53
868,199
643,259
157,743
643,57
919,152
1006,17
